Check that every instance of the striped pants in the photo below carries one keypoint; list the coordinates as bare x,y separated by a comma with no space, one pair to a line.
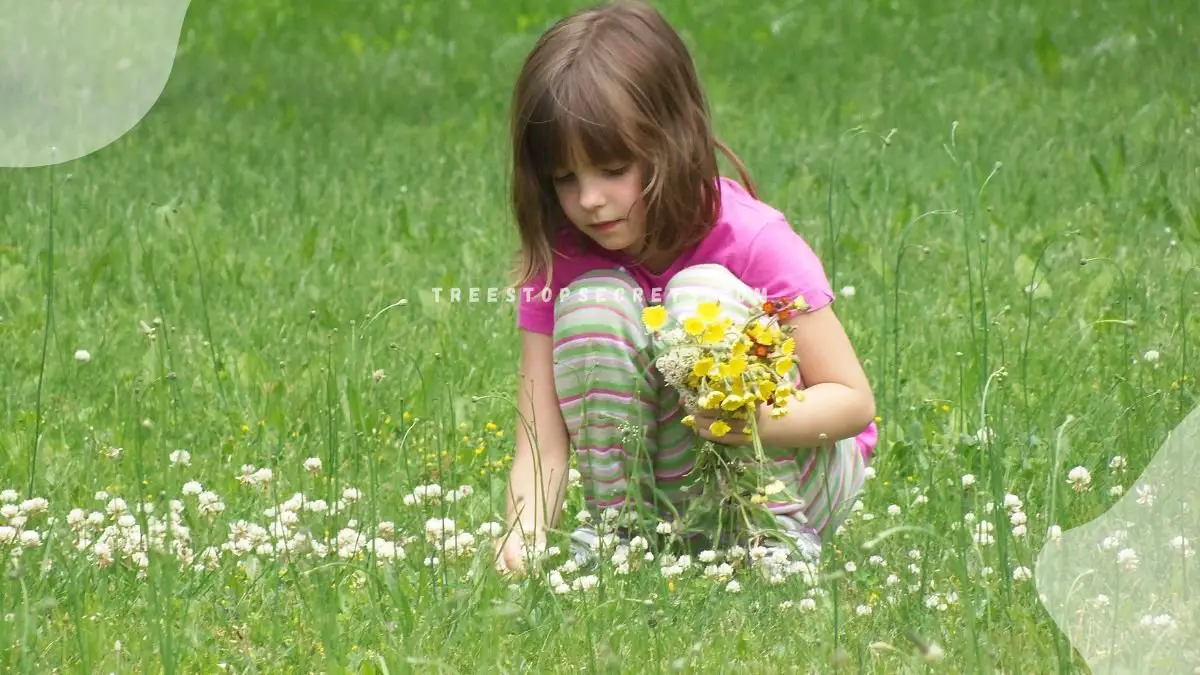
624,421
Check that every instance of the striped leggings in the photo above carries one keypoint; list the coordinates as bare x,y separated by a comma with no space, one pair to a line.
624,421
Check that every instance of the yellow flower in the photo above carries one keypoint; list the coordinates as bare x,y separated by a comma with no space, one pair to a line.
654,317
709,311
788,346
785,390
732,402
693,326
689,421
800,304
741,348
718,428
735,367
713,399
713,334
702,367
778,411
782,366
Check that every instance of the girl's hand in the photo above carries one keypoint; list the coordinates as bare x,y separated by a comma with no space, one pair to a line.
735,435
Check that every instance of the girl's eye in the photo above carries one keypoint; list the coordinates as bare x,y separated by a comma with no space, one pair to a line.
619,171
562,178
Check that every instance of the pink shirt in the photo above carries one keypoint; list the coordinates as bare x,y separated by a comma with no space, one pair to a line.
750,238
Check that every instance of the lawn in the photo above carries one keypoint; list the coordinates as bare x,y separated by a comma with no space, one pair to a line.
1005,195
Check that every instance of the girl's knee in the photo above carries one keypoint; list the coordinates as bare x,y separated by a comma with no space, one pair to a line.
609,298
707,283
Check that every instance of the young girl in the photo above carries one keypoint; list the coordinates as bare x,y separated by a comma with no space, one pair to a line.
619,205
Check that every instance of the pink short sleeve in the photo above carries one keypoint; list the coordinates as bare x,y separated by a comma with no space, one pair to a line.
781,264
535,307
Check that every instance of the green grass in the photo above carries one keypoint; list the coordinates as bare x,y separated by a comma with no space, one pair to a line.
306,168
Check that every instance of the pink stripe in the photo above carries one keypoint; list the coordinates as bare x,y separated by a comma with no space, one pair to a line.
605,394
595,337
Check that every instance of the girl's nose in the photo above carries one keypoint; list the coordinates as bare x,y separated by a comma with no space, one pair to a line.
591,197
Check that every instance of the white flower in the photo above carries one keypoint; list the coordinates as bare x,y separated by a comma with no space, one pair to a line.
1116,463
1145,495
1054,533
8,496
83,355
192,487
1127,559
863,610
312,464
851,567
848,291
1079,478
662,528
585,516
1022,574
893,510
1116,491
1017,518
35,505
920,499
807,604
968,480
733,586
1151,356
181,458
1012,501
1018,531
707,556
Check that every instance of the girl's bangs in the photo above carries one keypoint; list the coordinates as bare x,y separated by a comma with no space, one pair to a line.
574,122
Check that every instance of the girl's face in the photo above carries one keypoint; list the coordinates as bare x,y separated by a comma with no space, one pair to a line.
605,203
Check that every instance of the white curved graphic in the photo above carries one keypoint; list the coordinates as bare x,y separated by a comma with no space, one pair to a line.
76,75
1125,587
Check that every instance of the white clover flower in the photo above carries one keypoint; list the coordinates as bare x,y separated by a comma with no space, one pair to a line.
863,610
1012,501
1022,574
851,567
1145,495
192,487
35,505
807,604
585,516
1116,491
9,496
893,510
83,355
733,586
968,480
180,458
312,464
1151,356
1079,478
1054,533
707,556
663,528
1018,531
1116,463
1127,559
1017,518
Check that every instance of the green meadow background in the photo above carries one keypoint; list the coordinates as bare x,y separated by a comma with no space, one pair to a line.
1011,188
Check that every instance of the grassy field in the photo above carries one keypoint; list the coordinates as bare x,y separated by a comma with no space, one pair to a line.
226,265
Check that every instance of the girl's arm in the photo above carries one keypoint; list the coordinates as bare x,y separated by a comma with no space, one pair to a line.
538,478
837,401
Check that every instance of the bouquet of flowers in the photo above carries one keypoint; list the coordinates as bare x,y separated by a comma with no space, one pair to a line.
728,372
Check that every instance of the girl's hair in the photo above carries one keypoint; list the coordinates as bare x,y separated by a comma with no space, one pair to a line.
614,83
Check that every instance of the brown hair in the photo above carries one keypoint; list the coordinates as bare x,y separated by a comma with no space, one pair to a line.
614,82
